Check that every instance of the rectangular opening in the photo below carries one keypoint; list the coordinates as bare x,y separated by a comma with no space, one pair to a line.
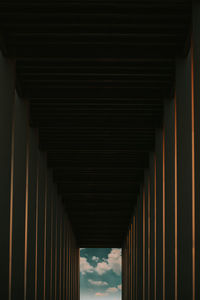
100,273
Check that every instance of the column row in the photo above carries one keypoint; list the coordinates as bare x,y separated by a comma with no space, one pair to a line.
39,255
166,218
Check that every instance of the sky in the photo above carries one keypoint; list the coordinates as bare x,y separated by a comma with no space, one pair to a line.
100,274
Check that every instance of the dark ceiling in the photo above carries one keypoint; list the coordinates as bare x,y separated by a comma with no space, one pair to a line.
96,74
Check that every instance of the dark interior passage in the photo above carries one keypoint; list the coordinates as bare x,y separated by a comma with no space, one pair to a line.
99,123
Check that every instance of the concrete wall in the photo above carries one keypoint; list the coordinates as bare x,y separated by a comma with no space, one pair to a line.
39,255
172,272
7,96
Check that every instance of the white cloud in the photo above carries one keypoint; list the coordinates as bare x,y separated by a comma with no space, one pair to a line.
102,268
109,291
82,249
98,283
112,290
113,263
95,258
101,294
85,267
115,260
119,286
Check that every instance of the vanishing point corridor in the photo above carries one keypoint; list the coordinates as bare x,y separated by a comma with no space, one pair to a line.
100,145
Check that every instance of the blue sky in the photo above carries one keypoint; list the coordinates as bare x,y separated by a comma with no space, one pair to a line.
100,274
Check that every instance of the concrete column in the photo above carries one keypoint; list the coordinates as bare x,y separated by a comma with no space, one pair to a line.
140,247
31,234
45,231
68,263
41,223
78,274
146,232
152,224
57,239
73,283
133,260
70,266
73,269
143,243
128,263
195,82
126,269
48,232
184,177
20,201
169,123
136,249
61,252
58,247
67,259
159,214
64,256
7,95
54,236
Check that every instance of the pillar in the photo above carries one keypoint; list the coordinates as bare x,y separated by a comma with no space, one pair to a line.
152,166
159,214
7,95
140,291
133,258
196,95
53,243
64,256
184,178
31,234
146,199
49,196
169,124
61,251
41,225
19,201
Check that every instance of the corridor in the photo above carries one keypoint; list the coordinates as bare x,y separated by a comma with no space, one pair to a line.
100,142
